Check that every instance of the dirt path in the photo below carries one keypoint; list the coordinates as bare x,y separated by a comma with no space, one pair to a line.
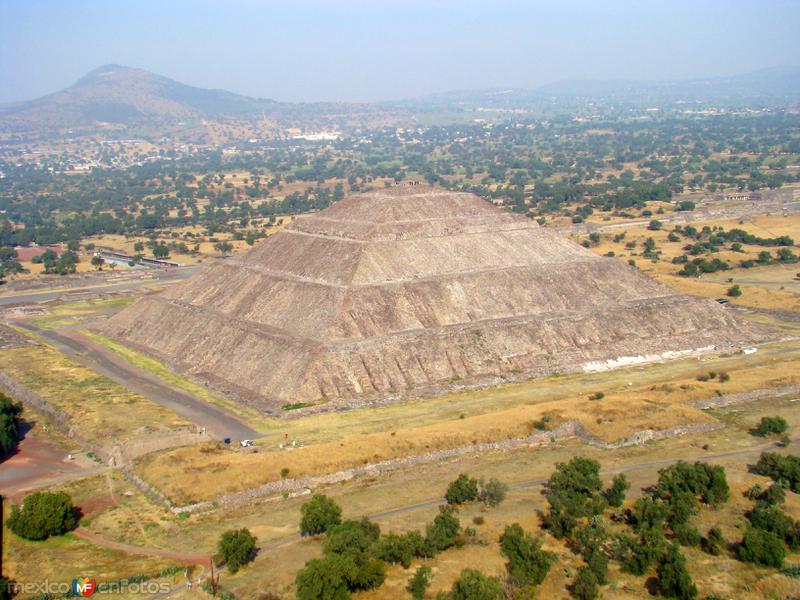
189,559
217,420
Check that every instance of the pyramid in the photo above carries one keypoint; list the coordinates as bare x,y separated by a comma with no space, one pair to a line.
410,291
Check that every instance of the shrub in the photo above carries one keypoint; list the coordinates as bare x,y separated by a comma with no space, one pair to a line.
474,585
724,377
573,491
319,514
615,495
419,583
43,514
492,492
9,421
478,520
707,481
654,225
762,548
585,585
527,563
636,555
714,542
463,489
768,425
672,577
687,535
237,547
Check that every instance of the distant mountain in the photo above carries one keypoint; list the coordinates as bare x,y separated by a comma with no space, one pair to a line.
775,87
114,99
775,84
113,94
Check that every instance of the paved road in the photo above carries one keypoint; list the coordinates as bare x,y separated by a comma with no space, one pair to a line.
46,295
219,421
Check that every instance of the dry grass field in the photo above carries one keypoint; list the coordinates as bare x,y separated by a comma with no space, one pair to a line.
773,286
134,520
336,441
99,409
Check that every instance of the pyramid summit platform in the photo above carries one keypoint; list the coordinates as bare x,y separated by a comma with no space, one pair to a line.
411,291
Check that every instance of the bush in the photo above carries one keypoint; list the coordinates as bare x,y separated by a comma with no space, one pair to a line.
687,535
734,291
762,548
474,585
419,583
237,547
585,585
492,492
654,225
672,577
400,548
768,425
701,479
636,555
319,514
463,489
714,542
43,514
615,495
527,563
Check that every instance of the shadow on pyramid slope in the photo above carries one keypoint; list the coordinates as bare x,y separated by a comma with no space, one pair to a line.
412,291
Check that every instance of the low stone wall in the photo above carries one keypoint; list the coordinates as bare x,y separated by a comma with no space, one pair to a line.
569,429
726,399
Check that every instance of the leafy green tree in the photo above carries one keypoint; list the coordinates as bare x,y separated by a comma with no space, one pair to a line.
762,548
9,424
442,532
672,577
326,579
768,425
615,495
474,585
585,586
237,547
463,489
319,514
782,469
527,563
400,548
687,535
43,514
419,582
353,538
573,491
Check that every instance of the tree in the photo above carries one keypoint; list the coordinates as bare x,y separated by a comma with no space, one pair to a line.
573,491
527,563
223,247
326,579
768,425
762,548
237,547
442,532
492,492
585,585
654,225
161,250
43,514
9,424
474,585
463,489
419,583
615,495
400,548
319,514
672,577
353,538
685,205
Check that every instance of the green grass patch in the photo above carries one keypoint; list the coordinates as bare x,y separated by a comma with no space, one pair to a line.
296,405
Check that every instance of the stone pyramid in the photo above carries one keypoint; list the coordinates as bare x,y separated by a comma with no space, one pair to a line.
410,291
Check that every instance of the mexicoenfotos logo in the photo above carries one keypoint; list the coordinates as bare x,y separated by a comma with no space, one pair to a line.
83,586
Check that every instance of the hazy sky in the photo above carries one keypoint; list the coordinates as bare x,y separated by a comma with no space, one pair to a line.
383,49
